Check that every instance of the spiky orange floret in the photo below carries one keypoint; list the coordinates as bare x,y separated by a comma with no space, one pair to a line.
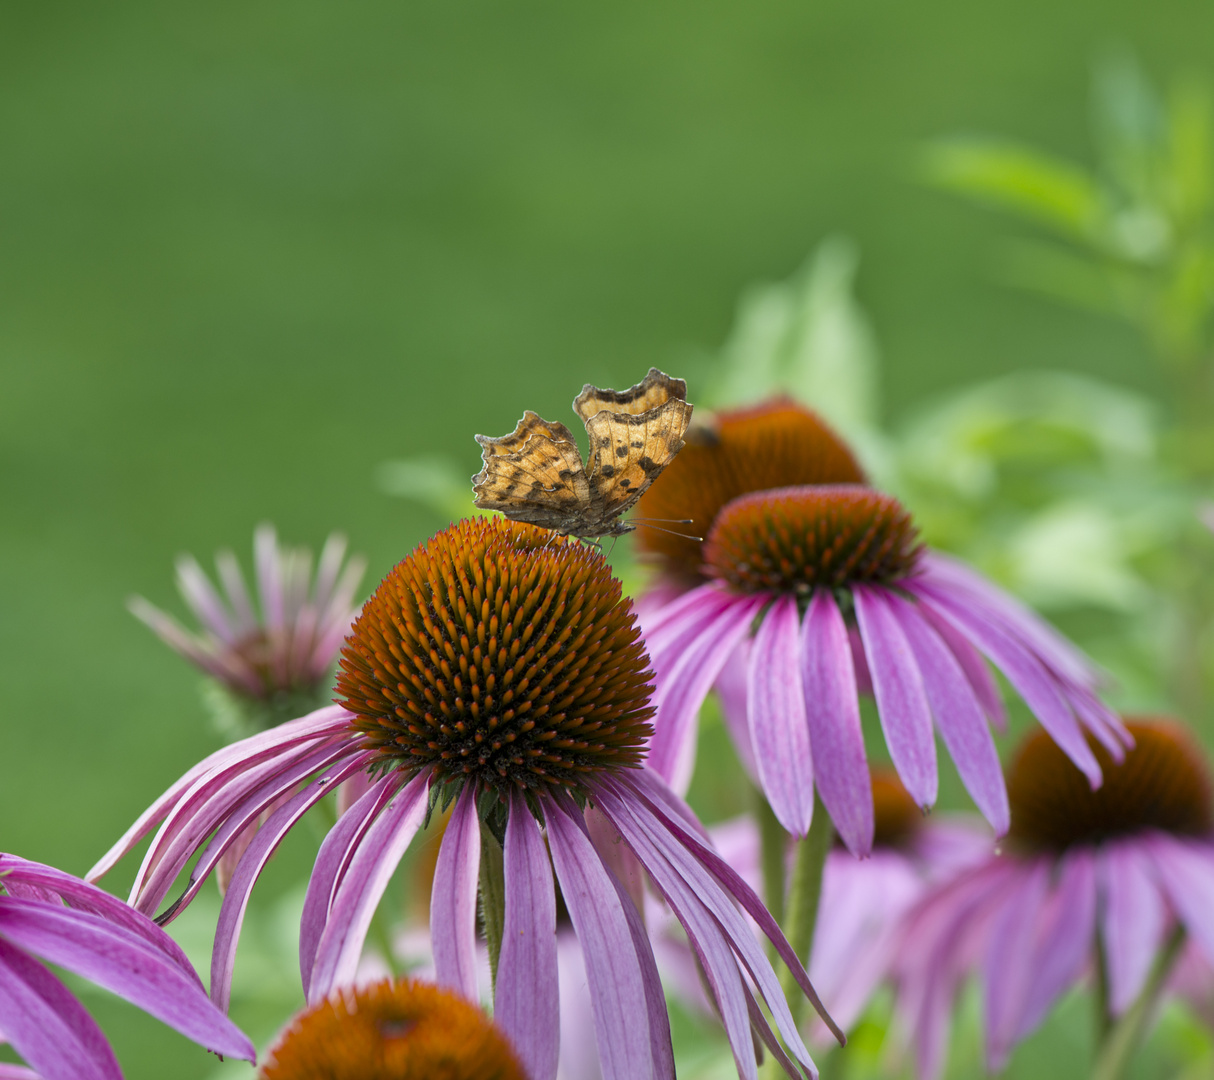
393,1031
795,539
1164,783
501,653
773,445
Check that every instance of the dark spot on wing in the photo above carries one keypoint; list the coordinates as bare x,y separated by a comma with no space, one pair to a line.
638,445
625,482
607,471
621,451
651,467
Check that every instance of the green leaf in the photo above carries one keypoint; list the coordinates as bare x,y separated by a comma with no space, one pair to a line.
1035,185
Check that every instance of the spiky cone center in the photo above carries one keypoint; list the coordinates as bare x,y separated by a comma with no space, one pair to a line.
500,653
392,1031
1163,783
774,445
794,540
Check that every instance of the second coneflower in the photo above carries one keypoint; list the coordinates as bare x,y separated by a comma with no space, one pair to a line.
815,587
500,671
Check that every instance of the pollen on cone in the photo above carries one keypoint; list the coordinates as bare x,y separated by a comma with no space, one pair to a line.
1163,783
392,1031
498,652
773,445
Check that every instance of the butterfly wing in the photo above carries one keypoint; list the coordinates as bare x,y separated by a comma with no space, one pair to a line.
634,434
535,474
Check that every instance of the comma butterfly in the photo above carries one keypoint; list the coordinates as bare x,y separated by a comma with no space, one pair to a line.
535,474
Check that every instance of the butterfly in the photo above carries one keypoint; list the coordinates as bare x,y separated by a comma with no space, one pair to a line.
535,474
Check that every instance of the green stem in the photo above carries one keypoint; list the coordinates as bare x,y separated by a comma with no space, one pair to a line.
804,892
493,896
1124,1037
1104,1020
773,849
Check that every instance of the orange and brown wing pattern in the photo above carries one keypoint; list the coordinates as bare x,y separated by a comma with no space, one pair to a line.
534,474
634,434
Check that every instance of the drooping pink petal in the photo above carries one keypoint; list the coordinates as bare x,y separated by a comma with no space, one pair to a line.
700,902
363,885
453,898
1008,966
617,986
527,997
336,851
668,628
85,897
902,702
233,582
977,672
1032,681
833,712
229,804
1186,874
644,785
353,789
330,720
758,1022
1132,922
958,716
268,561
233,849
775,709
123,963
248,870
47,1025
1064,939
17,1072
681,690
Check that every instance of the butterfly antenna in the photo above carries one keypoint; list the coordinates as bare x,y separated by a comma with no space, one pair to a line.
667,521
672,532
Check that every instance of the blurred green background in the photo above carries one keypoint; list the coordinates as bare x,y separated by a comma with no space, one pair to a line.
250,251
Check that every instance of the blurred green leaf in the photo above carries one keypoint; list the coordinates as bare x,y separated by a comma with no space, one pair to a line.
1035,185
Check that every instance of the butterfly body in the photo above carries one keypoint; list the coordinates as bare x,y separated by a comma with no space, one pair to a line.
536,474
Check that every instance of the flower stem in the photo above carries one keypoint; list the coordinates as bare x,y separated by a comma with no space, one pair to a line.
1124,1037
773,848
493,896
804,892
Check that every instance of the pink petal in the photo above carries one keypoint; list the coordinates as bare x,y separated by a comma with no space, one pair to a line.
731,693
958,716
47,1025
453,898
527,997
681,690
124,964
596,908
1186,874
1132,922
359,893
248,870
336,851
833,711
775,707
977,672
901,698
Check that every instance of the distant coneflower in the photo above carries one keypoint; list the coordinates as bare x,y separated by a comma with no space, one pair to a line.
275,663
1089,878
47,915
402,1030
817,587
497,669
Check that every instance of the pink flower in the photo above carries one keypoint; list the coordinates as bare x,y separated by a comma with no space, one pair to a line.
804,596
282,656
1119,868
48,915
497,670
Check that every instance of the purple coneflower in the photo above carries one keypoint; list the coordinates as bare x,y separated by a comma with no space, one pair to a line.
48,915
1089,879
497,670
405,1030
843,596
278,662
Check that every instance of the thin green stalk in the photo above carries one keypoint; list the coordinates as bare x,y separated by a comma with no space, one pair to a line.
1104,1020
1125,1036
804,892
493,896
773,848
